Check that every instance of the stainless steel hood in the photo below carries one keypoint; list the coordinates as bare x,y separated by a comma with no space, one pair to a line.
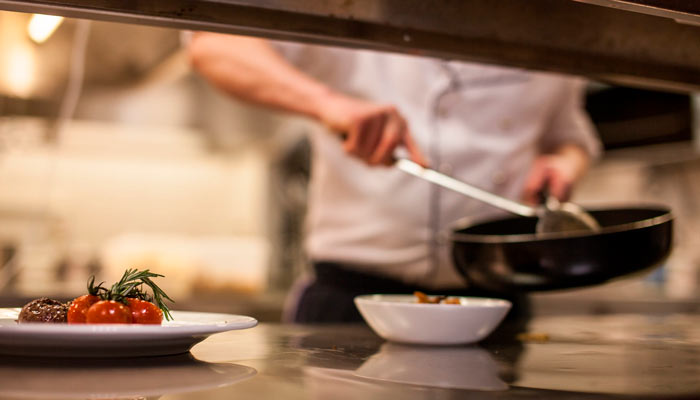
650,43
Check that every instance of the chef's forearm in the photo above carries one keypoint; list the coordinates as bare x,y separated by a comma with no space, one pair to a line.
252,70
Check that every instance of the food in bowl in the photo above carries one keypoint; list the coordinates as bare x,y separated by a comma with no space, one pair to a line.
425,299
400,318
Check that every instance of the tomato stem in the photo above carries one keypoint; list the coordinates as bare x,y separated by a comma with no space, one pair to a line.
94,290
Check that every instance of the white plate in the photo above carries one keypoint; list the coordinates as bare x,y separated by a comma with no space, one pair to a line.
113,340
401,319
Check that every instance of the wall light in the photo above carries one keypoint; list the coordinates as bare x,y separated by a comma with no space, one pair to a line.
41,27
18,70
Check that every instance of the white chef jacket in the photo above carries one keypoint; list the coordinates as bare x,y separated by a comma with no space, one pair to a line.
481,124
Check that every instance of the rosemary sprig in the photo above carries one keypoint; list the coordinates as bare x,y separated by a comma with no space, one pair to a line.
131,285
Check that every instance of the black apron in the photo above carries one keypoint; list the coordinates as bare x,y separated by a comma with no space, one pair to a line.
329,299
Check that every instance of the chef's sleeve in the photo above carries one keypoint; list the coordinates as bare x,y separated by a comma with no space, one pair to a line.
569,122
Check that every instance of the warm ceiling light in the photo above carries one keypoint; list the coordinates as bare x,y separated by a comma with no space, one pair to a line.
41,27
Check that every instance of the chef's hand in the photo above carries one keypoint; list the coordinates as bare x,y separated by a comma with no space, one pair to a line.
559,171
371,131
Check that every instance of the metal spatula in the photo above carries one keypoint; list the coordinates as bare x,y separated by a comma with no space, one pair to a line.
553,216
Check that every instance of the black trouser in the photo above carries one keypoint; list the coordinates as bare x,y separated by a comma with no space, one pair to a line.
330,297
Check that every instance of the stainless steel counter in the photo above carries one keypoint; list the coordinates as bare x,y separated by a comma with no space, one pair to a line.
577,357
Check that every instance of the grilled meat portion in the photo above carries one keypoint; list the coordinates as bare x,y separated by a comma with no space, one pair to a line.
44,310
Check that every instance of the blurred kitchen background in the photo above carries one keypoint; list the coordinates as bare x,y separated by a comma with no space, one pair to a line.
113,154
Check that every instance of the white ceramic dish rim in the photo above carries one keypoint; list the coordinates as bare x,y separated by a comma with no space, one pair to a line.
184,323
408,301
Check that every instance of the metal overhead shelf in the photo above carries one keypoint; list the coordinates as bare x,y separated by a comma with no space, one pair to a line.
682,11
647,43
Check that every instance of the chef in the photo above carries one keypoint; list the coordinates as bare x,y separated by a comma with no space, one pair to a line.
370,227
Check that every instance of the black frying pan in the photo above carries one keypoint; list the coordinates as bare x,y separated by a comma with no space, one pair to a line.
506,254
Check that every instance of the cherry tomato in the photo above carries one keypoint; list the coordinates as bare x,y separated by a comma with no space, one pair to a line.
144,312
77,312
108,312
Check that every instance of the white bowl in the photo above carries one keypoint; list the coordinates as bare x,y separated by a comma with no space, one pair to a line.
400,318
